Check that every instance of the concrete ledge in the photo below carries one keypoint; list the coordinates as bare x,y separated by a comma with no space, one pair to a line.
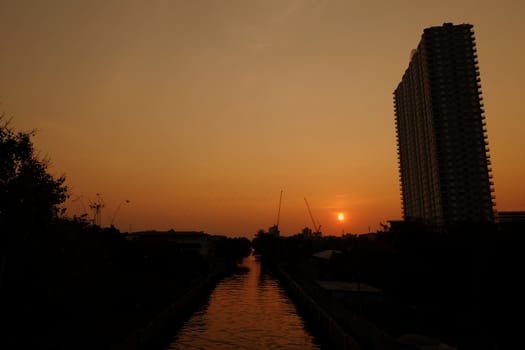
342,339
162,325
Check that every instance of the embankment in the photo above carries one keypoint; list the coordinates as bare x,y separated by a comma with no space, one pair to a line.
346,329
157,330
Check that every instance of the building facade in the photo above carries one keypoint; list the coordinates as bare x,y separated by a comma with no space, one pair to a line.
443,155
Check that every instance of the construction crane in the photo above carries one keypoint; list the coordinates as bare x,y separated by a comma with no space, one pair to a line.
316,229
279,210
275,228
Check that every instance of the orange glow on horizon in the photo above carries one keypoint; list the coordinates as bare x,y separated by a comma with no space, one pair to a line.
203,112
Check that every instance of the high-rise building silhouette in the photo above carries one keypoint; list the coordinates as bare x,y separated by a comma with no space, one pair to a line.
441,132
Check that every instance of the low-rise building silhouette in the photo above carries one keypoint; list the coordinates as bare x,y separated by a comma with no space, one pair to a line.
184,241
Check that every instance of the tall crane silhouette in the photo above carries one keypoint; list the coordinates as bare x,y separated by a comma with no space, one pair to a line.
275,228
279,210
317,228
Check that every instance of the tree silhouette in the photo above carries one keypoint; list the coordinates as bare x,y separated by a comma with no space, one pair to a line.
30,201
29,195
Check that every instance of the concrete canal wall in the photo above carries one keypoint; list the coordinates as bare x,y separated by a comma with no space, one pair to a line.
350,332
153,334
342,339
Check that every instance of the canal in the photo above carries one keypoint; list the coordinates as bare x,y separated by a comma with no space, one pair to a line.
247,310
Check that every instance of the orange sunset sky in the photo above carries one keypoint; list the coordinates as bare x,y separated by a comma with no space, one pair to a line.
201,112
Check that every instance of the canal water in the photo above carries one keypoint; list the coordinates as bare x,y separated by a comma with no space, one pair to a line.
247,310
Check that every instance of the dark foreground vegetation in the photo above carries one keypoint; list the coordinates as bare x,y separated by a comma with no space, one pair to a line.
462,288
69,284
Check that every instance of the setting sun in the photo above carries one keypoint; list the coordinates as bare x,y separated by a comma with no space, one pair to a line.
340,216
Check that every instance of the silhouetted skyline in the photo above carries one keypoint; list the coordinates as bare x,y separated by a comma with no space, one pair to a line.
200,112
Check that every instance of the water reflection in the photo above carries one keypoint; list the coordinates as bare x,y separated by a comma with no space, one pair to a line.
248,310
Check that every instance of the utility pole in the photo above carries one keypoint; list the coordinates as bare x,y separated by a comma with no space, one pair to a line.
97,209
